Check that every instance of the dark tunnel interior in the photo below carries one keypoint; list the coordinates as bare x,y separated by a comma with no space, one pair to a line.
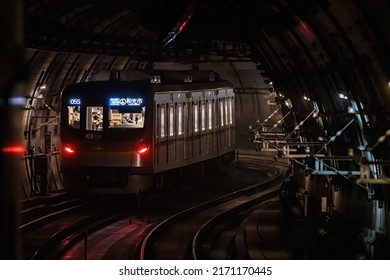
319,68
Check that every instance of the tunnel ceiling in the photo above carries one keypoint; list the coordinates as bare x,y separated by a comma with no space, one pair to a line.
334,54
144,28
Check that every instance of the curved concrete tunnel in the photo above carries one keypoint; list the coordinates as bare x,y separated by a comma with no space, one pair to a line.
331,56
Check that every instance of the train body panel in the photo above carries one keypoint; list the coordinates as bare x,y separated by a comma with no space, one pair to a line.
120,129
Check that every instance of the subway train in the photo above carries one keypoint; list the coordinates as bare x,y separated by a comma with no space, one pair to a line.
127,136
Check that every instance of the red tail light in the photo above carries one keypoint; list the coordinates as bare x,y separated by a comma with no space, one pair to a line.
69,149
143,149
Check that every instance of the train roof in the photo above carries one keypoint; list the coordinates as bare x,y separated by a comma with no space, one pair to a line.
166,81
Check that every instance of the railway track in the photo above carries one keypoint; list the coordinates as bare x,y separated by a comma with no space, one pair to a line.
183,236
107,228
247,233
52,227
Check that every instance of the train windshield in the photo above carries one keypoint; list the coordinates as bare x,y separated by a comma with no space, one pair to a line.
74,116
94,119
126,117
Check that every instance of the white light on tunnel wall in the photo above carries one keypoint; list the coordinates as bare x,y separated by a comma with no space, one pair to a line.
17,101
342,96
306,98
351,110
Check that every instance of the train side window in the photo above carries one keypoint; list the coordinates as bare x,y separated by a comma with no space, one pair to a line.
210,113
231,111
171,119
221,110
162,121
226,112
179,119
74,116
203,116
94,119
196,120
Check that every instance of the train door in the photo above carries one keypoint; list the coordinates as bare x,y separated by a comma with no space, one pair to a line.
226,126
197,98
231,118
221,124
161,142
202,129
161,135
195,131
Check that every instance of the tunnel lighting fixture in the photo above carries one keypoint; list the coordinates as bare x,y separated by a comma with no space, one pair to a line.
43,86
380,140
351,110
342,96
333,138
306,98
17,101
188,79
155,80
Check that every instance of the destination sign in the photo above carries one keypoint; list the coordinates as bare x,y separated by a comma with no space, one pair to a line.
75,101
125,101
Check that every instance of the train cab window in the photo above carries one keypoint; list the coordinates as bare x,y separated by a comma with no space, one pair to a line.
74,116
126,117
94,119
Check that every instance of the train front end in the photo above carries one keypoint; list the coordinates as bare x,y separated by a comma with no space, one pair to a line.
106,137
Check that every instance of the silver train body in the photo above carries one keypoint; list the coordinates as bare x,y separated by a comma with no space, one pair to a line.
125,136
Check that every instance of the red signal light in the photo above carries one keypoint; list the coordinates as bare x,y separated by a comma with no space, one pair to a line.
16,149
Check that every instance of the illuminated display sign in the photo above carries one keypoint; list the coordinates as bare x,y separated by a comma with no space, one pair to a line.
74,101
125,101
